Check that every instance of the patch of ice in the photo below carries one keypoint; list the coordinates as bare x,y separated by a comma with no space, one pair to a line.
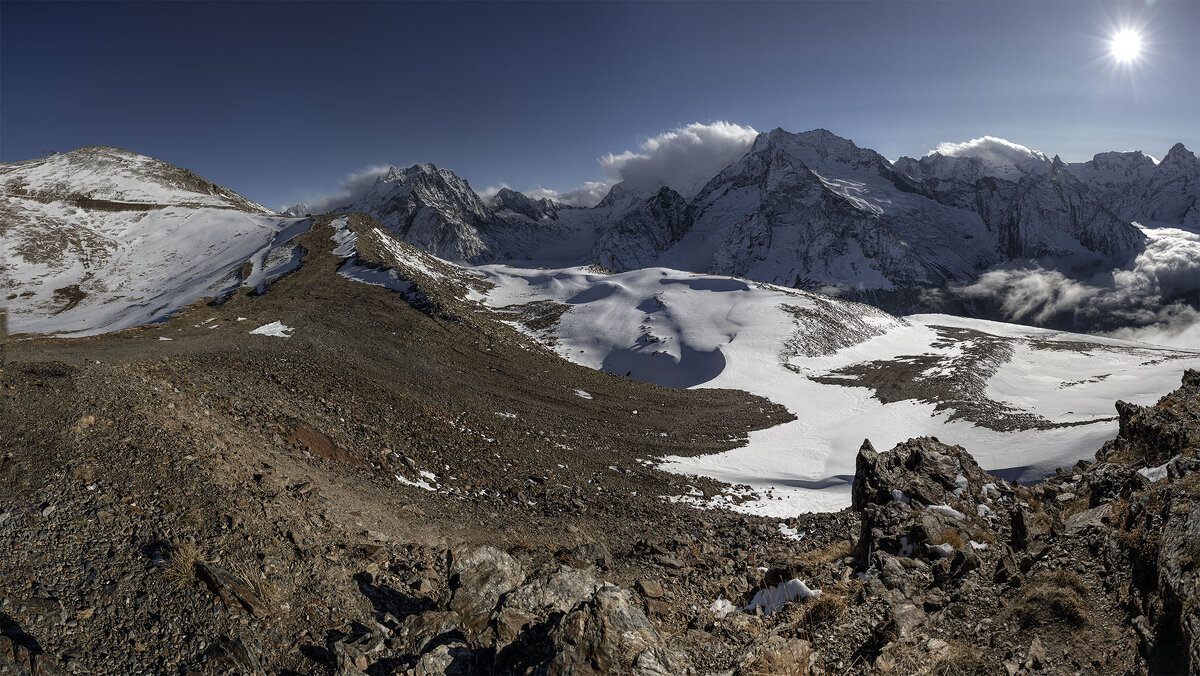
164,338
585,395
1155,473
791,533
416,484
944,550
772,599
276,329
722,607
947,510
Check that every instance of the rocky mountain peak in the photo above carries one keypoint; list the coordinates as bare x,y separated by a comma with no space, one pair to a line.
1179,156
521,203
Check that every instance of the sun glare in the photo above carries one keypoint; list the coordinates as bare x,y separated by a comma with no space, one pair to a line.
1126,45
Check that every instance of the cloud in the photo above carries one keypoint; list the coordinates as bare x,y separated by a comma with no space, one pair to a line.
586,195
489,192
351,187
1178,326
993,151
683,159
1154,299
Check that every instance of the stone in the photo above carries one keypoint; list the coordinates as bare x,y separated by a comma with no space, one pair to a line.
535,600
1037,655
650,588
1089,518
479,576
608,634
231,590
235,654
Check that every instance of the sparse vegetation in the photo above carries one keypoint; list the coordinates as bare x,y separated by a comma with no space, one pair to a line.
181,563
1055,597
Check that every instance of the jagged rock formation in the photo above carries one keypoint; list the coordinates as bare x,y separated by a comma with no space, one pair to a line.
1137,189
519,203
931,519
641,233
430,208
810,210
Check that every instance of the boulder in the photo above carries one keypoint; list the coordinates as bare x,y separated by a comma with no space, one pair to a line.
479,576
538,599
609,635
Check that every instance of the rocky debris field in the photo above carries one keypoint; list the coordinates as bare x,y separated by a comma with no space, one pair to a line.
403,486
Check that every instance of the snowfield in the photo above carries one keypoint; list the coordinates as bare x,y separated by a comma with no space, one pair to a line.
1042,399
118,270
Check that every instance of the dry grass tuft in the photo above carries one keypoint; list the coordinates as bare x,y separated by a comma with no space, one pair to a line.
1056,597
959,658
181,566
824,610
835,552
950,537
258,583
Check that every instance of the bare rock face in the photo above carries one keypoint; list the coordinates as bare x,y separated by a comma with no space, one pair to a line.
923,470
539,598
610,635
1151,435
479,576
1157,524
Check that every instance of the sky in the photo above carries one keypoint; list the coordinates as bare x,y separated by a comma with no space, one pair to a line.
283,101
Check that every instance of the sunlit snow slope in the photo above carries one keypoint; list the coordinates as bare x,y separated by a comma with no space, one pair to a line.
1024,401
100,239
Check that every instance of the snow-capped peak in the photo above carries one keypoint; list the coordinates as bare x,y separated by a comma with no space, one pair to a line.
106,174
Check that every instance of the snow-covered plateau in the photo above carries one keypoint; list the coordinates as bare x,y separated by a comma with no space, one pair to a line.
1023,400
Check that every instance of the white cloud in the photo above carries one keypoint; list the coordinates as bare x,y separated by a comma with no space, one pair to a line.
1154,299
683,159
586,195
489,192
1178,326
992,151
354,185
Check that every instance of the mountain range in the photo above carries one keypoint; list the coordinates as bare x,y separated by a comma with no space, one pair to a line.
815,211
92,234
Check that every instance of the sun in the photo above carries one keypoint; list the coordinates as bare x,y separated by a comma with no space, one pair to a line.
1125,45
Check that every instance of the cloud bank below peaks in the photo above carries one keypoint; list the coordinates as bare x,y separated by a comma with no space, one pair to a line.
1153,299
683,159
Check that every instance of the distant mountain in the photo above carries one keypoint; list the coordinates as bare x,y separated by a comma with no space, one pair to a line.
810,210
1134,187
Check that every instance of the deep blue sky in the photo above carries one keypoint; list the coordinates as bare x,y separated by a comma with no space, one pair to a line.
279,101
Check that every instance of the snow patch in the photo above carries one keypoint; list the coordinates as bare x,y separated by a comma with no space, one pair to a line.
276,329
774,598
